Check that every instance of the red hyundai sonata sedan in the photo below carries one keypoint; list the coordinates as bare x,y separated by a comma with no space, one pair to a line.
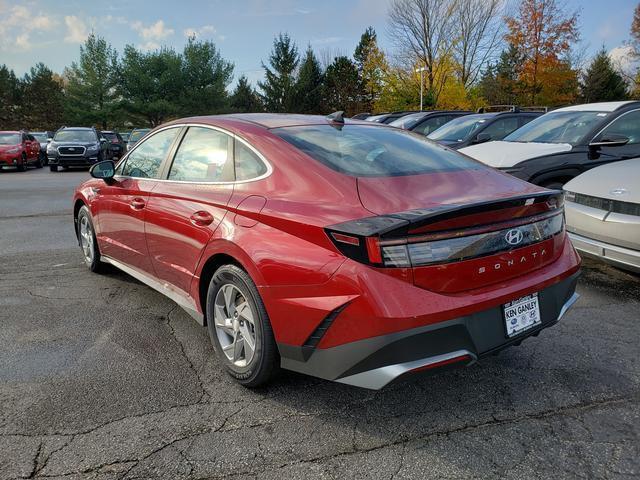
342,249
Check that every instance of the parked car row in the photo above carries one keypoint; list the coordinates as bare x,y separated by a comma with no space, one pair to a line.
67,147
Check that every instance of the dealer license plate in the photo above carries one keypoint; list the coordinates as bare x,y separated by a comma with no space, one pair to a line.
521,314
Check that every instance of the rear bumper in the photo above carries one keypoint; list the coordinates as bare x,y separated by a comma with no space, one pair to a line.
621,257
377,361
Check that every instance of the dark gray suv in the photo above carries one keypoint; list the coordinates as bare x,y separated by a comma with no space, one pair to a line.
76,147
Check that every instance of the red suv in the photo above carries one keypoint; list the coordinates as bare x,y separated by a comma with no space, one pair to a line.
19,149
342,249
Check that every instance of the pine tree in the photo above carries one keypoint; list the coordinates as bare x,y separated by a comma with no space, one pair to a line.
244,98
367,39
372,65
341,86
279,85
206,76
10,93
600,82
308,88
43,101
91,93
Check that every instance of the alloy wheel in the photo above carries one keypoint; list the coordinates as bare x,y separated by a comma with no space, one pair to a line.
235,325
86,239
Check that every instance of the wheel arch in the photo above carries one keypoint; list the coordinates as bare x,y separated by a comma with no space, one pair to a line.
563,175
216,255
77,205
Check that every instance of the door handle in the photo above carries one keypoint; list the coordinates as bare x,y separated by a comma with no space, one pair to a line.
137,204
201,218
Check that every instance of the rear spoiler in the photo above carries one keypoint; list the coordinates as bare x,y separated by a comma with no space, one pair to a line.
400,224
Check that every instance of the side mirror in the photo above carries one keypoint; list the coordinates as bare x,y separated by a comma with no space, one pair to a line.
104,170
49,140
610,140
103,140
482,138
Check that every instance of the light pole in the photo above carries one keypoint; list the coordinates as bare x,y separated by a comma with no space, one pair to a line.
421,70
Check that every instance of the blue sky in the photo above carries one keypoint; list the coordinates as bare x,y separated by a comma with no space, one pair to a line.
51,31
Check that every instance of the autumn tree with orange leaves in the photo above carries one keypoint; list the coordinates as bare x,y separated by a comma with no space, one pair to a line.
544,33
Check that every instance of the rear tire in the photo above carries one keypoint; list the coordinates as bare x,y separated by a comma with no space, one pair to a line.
53,168
228,326
39,162
88,241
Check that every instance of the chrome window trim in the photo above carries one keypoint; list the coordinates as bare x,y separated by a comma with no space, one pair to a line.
611,123
191,182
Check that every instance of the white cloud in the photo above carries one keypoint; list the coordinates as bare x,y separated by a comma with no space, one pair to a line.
16,24
76,29
622,59
204,31
22,41
154,31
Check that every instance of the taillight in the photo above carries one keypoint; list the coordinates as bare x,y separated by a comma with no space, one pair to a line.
448,246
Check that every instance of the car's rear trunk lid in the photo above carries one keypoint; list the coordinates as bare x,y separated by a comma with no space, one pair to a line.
457,231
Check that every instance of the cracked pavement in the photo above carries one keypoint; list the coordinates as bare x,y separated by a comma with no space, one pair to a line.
103,378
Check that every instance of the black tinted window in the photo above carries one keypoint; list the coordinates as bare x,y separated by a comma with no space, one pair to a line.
362,150
627,125
431,124
248,164
203,155
501,128
146,159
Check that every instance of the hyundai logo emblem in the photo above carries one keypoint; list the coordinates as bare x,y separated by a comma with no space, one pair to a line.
514,236
71,149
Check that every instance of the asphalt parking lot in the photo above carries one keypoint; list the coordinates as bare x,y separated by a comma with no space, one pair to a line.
102,377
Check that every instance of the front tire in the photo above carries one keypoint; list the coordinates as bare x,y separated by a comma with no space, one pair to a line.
240,329
22,166
88,241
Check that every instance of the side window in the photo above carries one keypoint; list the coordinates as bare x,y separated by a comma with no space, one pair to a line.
145,160
248,164
627,125
501,128
204,155
432,124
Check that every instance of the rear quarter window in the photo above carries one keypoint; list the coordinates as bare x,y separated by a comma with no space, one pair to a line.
371,151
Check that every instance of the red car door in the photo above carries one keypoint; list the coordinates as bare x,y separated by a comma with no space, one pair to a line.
185,210
123,203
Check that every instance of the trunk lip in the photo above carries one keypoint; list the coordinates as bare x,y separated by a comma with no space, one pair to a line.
397,224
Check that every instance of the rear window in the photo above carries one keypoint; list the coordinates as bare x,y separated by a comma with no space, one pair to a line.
370,151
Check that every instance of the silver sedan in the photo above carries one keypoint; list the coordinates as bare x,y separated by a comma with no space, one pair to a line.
603,213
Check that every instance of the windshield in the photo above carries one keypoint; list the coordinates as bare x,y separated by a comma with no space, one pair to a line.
110,136
41,137
370,151
10,139
137,135
557,127
408,121
80,136
459,129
